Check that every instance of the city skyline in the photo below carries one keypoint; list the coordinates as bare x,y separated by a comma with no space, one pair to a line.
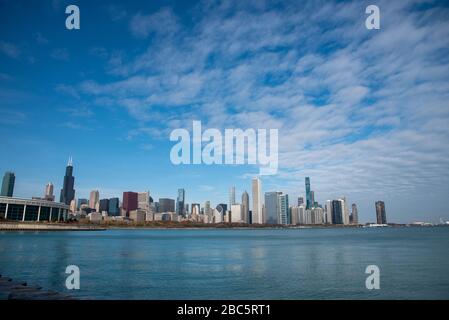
275,209
362,112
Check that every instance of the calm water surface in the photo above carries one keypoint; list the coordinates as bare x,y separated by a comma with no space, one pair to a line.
234,264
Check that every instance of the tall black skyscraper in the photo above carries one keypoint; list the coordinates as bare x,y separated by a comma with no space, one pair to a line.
67,191
337,212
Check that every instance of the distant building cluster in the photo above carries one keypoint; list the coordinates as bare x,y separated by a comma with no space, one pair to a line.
269,208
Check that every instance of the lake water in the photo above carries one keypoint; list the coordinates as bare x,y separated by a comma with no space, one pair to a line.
234,264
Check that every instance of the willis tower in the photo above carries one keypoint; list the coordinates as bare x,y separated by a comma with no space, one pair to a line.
67,191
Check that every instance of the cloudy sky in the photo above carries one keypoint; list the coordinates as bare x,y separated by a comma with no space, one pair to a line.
363,113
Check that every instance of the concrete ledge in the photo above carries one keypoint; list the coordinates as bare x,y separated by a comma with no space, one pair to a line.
24,226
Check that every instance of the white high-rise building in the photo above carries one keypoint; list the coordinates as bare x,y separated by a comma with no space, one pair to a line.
218,216
328,212
317,215
283,209
302,214
94,199
308,216
207,208
237,213
257,214
73,206
294,212
231,196
195,209
49,192
245,204
344,210
143,200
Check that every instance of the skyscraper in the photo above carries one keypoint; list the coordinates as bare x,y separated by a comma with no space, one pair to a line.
49,192
195,209
283,209
345,210
380,212
73,206
68,191
337,211
166,205
180,202
329,212
354,214
231,196
257,214
207,208
143,200
8,184
217,216
312,199
113,208
272,207
294,215
129,202
317,215
309,202
237,213
302,214
222,208
300,201
245,206
94,199
104,205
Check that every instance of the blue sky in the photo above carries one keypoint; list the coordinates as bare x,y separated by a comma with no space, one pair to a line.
364,113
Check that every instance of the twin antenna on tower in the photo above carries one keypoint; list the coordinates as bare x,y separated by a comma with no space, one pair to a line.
70,163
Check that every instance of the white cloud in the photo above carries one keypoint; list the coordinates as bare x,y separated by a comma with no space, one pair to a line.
40,38
360,111
161,22
8,117
10,50
60,54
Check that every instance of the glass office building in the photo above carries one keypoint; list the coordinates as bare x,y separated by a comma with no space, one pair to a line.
19,209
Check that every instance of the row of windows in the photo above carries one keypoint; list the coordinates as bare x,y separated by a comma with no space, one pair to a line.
31,213
45,214
15,212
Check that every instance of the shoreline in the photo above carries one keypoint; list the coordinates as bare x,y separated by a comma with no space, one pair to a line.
24,226
80,226
43,226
